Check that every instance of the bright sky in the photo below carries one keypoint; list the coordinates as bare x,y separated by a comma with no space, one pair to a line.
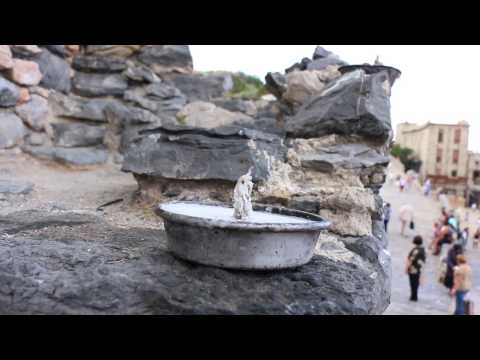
439,83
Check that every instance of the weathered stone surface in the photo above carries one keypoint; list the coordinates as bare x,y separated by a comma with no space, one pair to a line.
12,130
91,85
15,187
77,135
56,71
9,93
24,96
113,50
301,85
80,108
36,139
203,87
205,115
142,74
25,51
321,53
34,113
78,267
99,64
68,156
167,58
25,72
247,107
6,61
276,83
348,156
353,104
200,154
323,63
158,98
59,50
301,66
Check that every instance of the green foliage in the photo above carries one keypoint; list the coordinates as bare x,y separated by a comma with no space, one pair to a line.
247,87
406,157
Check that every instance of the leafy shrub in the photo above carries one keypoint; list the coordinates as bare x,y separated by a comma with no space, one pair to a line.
247,87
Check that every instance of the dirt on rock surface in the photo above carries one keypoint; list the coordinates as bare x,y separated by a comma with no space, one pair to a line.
58,188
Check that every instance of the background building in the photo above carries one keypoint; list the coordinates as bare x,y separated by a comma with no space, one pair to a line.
443,150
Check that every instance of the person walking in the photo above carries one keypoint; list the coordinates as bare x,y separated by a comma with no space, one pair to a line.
415,261
454,251
462,284
387,212
427,187
406,217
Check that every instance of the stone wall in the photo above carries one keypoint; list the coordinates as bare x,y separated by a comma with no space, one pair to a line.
321,146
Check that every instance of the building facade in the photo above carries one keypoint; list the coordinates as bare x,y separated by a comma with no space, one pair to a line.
443,150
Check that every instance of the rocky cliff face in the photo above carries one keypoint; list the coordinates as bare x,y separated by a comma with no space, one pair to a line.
321,146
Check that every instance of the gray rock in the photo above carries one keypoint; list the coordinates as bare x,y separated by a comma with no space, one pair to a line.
25,51
59,50
276,83
199,154
167,58
237,105
67,156
113,50
12,130
202,87
91,85
9,93
15,187
34,113
352,104
141,74
79,108
347,156
322,63
56,71
36,139
321,53
99,64
301,66
69,263
77,135
158,98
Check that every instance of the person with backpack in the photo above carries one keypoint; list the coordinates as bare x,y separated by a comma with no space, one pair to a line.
462,284
415,261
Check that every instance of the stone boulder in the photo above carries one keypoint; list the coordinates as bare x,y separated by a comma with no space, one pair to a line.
59,50
35,113
301,85
56,71
276,83
205,115
247,107
76,107
12,130
25,51
355,103
78,268
6,60
25,72
141,74
78,135
159,98
68,156
15,187
93,85
113,50
203,87
167,58
99,64
201,154
9,93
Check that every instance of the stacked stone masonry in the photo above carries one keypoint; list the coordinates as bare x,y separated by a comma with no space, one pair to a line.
321,146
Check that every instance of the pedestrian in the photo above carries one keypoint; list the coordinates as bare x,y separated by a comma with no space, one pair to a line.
427,187
415,261
403,184
406,217
387,212
454,251
462,284
464,238
476,238
444,200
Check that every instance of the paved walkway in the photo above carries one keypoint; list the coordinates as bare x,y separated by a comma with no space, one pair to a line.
433,296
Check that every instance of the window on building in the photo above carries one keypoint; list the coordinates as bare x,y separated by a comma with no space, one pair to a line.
456,155
439,155
454,173
440,136
457,136
476,177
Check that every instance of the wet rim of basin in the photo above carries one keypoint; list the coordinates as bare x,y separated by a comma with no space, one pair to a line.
316,222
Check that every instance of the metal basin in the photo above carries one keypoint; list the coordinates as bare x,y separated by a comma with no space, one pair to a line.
287,241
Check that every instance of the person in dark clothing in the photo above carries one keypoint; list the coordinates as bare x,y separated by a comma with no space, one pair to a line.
387,212
415,261
451,263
